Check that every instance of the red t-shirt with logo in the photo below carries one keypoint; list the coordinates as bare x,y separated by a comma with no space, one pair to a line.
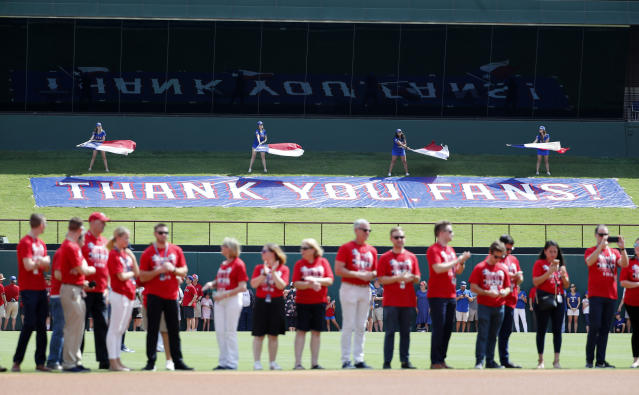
489,277
318,268
357,258
163,285
631,273
71,257
330,312
229,275
55,265
190,293
198,288
553,283
512,264
269,288
95,252
11,291
119,261
392,264
31,248
602,275
441,285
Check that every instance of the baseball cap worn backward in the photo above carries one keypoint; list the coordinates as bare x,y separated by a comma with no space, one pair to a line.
260,123
195,276
542,128
12,278
98,124
463,283
190,278
99,216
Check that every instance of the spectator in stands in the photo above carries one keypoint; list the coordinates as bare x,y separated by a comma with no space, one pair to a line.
207,306
520,311
461,309
290,308
356,263
188,304
312,275
510,301
33,261
443,266
620,323
423,310
550,278
472,312
378,310
602,262
269,280
574,302
3,301
585,309
630,281
330,314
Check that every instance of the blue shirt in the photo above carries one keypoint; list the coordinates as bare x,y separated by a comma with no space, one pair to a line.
573,300
262,135
398,150
520,303
462,304
99,136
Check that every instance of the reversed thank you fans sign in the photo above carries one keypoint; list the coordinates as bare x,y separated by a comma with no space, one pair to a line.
311,191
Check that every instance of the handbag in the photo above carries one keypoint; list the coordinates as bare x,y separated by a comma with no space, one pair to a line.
546,301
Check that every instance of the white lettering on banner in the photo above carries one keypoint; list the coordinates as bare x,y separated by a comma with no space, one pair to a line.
533,91
52,84
437,193
173,82
431,92
202,87
512,192
388,93
75,187
125,188
123,86
303,192
99,83
375,194
206,190
165,190
498,93
591,189
347,191
305,88
460,94
557,190
471,189
237,192
261,86
326,85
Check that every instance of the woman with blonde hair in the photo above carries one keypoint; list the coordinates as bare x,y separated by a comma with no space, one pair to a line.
123,268
269,280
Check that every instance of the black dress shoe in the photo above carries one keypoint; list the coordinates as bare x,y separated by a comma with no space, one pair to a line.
317,367
347,365
589,365
604,365
180,365
408,365
104,365
493,365
150,367
510,365
387,365
220,367
362,365
3,369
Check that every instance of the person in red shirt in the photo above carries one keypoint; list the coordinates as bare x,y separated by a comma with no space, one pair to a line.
490,281
630,281
33,261
398,270
443,266
602,262
162,264
356,263
230,283
269,280
3,301
123,269
12,294
95,253
516,277
188,304
550,278
197,312
312,275
330,314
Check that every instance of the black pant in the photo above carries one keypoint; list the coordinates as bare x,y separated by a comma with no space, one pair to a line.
556,316
442,313
97,309
602,312
36,310
633,313
397,319
504,334
246,317
155,305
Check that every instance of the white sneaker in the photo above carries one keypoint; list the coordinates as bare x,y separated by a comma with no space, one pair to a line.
170,365
537,173
548,172
159,348
257,365
249,170
389,174
407,174
635,365
275,366
265,171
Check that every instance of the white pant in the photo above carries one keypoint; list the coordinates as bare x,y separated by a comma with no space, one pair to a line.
520,314
355,302
227,316
121,308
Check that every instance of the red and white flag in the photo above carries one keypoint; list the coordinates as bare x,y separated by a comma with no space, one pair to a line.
122,147
550,146
281,149
434,150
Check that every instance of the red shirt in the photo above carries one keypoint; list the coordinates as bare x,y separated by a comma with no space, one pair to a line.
230,275
553,282
95,252
11,291
531,295
602,275
1,293
441,285
190,293
330,312
163,285
512,264
71,257
631,273
119,261
55,265
269,286
488,277
318,268
357,258
391,264
31,248
198,288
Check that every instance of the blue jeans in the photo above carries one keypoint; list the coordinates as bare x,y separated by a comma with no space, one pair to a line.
57,334
442,314
397,319
504,334
35,311
602,312
490,319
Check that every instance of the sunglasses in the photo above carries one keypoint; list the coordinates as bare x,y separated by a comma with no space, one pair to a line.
602,234
366,230
399,237
264,251
163,232
510,249
498,256
303,248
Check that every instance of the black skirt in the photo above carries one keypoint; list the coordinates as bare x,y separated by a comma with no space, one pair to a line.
269,318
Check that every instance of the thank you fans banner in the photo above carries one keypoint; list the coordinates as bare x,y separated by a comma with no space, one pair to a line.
311,191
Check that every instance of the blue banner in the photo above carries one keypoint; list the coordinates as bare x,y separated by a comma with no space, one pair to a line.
316,192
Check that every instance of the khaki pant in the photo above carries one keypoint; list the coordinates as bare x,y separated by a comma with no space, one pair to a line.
12,309
74,316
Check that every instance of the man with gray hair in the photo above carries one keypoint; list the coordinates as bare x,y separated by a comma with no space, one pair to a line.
356,263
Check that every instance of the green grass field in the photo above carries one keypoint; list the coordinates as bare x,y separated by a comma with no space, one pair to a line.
200,350
16,201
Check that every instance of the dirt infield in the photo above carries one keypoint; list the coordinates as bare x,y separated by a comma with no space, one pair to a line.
327,382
